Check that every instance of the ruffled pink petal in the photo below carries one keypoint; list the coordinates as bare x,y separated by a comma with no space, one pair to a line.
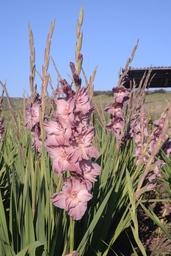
93,152
77,212
59,200
83,195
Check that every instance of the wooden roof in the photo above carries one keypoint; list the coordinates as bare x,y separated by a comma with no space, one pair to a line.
161,79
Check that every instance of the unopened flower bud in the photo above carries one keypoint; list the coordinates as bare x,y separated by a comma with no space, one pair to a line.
30,45
45,55
29,30
46,82
78,29
79,66
43,72
76,53
31,38
81,16
33,56
33,72
31,84
52,28
80,41
31,65
47,63
48,44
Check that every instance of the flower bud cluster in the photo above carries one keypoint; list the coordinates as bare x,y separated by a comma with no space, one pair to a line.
69,143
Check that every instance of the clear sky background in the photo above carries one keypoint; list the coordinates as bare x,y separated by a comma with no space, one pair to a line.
110,31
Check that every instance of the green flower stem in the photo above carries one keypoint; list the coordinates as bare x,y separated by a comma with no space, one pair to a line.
71,234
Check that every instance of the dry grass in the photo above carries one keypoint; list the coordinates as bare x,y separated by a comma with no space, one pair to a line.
154,104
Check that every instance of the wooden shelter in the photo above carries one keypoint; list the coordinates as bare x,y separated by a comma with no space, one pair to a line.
161,79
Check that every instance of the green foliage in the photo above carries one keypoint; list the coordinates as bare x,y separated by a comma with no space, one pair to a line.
29,221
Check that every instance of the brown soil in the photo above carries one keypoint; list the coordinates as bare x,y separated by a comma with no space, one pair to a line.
154,240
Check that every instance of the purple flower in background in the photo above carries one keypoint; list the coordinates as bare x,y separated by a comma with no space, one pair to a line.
2,130
150,187
167,148
115,109
89,171
157,171
33,121
37,138
116,126
121,94
32,115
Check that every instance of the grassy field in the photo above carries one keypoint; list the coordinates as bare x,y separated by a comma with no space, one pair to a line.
154,105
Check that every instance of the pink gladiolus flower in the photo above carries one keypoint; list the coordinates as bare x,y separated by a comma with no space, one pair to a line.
57,134
150,187
73,198
83,119
69,144
90,171
2,130
116,126
160,123
32,113
36,143
82,147
138,137
167,148
115,109
66,89
65,111
120,94
83,103
1,120
156,172
59,157
37,138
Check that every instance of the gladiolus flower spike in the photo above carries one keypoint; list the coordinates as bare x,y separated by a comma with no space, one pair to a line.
69,144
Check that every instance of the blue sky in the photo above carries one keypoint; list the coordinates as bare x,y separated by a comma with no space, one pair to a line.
110,31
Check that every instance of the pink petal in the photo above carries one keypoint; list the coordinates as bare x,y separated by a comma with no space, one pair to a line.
77,212
59,200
